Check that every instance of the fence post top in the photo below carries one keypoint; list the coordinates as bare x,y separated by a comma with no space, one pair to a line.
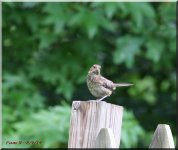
162,137
105,139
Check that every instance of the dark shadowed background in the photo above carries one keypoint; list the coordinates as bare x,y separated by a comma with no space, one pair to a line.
49,47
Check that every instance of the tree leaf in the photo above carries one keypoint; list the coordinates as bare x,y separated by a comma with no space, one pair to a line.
126,49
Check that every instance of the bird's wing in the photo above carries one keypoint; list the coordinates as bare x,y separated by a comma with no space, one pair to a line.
106,83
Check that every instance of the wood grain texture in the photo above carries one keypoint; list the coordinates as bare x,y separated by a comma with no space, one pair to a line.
105,139
162,137
88,118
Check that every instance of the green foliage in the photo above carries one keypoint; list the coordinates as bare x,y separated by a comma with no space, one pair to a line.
53,123
130,47
132,132
49,47
21,94
145,89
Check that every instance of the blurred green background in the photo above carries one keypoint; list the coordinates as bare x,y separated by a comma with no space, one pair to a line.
49,47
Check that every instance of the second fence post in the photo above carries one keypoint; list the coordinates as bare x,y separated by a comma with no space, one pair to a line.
88,118
162,137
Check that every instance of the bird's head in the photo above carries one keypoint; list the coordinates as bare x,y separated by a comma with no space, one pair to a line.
95,70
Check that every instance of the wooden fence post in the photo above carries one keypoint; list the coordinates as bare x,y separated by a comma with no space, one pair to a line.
162,137
88,118
105,139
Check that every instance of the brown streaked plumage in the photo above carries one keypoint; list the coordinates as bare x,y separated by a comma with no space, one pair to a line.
99,86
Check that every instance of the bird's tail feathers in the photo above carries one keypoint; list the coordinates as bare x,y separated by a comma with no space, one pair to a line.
123,84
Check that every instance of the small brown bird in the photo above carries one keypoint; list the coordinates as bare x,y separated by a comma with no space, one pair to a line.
99,86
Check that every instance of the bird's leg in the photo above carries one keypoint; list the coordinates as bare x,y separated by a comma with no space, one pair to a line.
102,98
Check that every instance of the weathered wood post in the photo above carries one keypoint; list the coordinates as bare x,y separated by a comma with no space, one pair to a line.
88,118
105,139
162,137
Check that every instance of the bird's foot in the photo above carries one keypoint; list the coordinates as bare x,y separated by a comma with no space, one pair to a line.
98,100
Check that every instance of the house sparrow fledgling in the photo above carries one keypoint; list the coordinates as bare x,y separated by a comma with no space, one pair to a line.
99,86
